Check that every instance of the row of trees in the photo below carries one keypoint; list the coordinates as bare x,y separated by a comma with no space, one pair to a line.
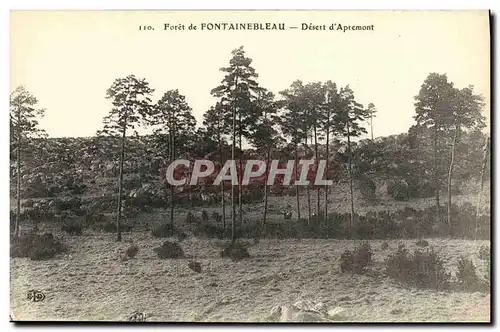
447,112
302,122
306,115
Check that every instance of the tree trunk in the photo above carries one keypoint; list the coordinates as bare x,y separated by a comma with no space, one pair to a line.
450,173
317,164
296,179
371,124
481,179
436,177
18,175
350,174
120,185
222,190
264,218
233,207
308,192
172,188
326,166
240,178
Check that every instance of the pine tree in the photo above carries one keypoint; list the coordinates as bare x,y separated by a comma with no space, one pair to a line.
347,121
238,91
173,123
131,102
24,126
432,105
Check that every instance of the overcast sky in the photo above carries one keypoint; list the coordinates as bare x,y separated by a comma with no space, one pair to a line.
69,59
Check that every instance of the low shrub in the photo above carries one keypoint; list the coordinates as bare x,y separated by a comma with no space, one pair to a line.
466,274
132,251
399,190
36,246
487,274
190,218
217,217
210,231
163,230
110,227
422,269
235,251
484,253
204,216
367,188
169,250
72,227
357,260
422,243
384,246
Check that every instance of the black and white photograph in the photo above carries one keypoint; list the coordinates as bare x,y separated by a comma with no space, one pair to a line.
250,166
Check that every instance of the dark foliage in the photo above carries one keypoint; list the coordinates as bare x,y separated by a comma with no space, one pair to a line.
422,269
367,187
484,253
204,216
357,260
132,251
422,243
195,266
235,251
36,246
167,230
209,231
72,227
217,217
466,274
399,190
169,250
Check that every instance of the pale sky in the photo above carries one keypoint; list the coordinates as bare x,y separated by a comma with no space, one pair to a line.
69,59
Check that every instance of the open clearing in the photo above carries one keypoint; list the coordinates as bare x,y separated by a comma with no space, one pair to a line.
91,283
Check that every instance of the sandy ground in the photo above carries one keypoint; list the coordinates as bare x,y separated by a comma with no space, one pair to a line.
91,283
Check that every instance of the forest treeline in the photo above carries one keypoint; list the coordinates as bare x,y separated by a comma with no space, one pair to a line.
445,147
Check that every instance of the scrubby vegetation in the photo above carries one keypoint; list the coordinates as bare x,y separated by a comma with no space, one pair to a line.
422,269
36,246
169,250
235,251
357,260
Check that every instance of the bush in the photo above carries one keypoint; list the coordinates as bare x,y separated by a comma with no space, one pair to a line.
132,251
72,227
235,251
169,250
204,216
484,253
422,243
384,246
167,230
422,269
217,217
163,230
487,274
466,274
95,218
35,246
357,260
190,218
399,190
110,227
209,231
367,188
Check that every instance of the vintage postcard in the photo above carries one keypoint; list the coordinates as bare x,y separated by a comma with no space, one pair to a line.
250,166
